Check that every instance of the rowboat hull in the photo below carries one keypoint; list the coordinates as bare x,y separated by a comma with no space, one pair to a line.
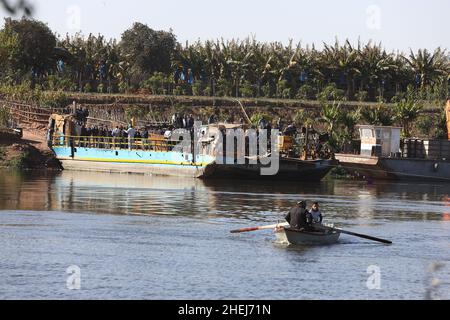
297,237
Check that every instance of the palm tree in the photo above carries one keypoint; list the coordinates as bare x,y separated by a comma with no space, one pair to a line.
349,120
376,67
428,67
380,115
407,111
330,114
212,65
259,65
239,60
343,61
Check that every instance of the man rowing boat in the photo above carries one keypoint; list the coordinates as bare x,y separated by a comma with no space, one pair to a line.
299,217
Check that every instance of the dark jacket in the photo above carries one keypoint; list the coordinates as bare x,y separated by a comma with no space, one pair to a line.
298,217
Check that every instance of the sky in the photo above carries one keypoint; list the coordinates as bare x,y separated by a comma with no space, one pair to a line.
399,24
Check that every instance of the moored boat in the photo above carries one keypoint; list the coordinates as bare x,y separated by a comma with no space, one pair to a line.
383,155
201,152
299,237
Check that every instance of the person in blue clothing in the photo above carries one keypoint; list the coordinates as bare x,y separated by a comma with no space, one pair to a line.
316,215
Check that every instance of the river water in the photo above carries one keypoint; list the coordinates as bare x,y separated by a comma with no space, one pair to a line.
138,237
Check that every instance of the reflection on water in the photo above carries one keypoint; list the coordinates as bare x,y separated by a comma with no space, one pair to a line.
154,195
173,234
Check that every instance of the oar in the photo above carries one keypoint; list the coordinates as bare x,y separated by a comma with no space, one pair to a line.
272,226
364,236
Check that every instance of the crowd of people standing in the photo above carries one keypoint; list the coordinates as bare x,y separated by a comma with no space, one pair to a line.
112,138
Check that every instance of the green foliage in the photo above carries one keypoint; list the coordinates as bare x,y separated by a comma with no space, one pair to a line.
405,112
224,88
267,91
54,99
26,45
87,88
256,118
4,116
300,117
348,121
304,118
429,67
306,92
331,93
380,115
441,126
178,91
101,88
124,87
147,50
247,90
57,83
22,93
361,96
157,83
330,114
425,125
197,88
149,59
283,91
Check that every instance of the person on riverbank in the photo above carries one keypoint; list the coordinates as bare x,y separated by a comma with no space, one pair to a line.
299,217
315,213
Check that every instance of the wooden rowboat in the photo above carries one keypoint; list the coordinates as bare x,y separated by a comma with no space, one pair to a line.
298,237
323,234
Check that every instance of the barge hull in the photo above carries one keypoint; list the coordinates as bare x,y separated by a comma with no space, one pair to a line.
379,168
148,169
289,170
181,165
136,161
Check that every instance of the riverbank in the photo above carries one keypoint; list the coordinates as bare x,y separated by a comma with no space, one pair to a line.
27,153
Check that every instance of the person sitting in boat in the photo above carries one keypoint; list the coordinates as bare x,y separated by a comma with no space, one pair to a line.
316,215
299,217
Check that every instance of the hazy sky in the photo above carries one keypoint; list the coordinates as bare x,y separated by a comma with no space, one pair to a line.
399,24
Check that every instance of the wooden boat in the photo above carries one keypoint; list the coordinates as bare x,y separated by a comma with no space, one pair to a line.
298,237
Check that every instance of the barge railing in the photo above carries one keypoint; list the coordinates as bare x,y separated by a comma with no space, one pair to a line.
114,143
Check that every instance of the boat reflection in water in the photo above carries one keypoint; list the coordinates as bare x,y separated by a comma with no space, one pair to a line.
265,201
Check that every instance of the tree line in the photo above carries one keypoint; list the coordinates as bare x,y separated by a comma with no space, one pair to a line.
154,62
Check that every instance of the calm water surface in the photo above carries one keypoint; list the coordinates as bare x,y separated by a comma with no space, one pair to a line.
137,237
